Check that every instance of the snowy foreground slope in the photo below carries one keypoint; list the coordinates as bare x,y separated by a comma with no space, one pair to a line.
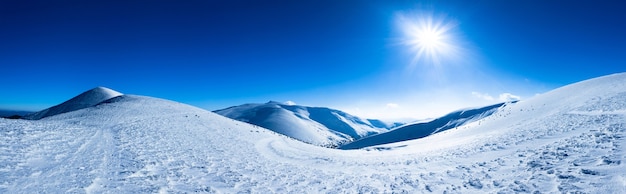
570,139
315,125
426,128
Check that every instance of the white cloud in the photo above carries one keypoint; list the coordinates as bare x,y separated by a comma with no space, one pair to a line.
289,102
391,105
483,96
508,97
504,97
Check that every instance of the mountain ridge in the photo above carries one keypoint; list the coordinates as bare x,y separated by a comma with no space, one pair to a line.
316,125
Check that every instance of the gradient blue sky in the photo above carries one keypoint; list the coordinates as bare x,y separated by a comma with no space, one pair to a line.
347,55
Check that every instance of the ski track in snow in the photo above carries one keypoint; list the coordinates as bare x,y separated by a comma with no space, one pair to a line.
145,145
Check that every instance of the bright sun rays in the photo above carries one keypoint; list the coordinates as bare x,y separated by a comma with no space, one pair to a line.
430,40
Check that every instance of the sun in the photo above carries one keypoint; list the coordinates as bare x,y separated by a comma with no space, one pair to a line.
429,40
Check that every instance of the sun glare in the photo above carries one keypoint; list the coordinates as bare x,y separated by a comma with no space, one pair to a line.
429,39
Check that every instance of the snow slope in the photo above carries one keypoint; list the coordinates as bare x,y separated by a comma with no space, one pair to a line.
84,100
315,125
423,129
567,140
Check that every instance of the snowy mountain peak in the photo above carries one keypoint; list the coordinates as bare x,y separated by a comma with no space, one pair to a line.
314,125
101,89
84,100
274,102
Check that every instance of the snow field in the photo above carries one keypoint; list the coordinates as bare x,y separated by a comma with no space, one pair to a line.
567,140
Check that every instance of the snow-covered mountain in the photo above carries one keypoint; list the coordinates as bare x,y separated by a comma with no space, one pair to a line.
426,128
84,100
569,140
315,125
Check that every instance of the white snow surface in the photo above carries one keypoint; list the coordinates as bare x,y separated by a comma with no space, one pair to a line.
567,140
314,125
86,99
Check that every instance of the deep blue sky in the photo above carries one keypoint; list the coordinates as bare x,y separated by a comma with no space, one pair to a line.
341,54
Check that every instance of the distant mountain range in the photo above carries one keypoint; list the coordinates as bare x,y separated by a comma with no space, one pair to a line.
15,114
316,125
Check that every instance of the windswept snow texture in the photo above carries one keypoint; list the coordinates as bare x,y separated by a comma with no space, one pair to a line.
315,125
84,100
570,140
423,129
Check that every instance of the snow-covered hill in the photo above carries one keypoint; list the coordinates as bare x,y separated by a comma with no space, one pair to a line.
315,125
423,129
568,140
84,100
